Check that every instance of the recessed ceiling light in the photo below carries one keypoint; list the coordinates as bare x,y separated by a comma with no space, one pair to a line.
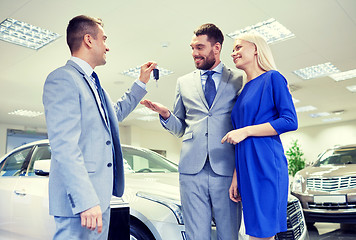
305,109
321,114
332,119
316,71
343,75
26,113
24,34
271,30
338,112
351,88
135,72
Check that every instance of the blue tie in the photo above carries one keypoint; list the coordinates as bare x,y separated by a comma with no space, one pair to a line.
101,93
103,104
210,90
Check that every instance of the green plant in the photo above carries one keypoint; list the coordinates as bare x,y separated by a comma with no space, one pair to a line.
296,161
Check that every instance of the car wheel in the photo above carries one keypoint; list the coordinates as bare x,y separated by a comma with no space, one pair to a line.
138,231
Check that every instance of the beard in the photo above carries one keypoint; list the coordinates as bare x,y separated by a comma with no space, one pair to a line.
207,63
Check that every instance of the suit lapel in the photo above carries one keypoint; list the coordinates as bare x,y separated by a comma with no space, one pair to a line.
197,83
224,80
92,88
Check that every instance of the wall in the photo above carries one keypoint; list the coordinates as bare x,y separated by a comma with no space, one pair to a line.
152,139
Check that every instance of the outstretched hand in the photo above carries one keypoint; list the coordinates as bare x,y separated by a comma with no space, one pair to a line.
157,107
146,70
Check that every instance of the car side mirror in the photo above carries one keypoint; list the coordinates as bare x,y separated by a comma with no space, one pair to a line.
42,167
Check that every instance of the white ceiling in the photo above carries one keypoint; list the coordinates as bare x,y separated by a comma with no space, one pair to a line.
325,31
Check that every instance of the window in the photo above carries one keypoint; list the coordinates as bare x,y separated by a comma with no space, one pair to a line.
146,161
338,157
42,153
13,164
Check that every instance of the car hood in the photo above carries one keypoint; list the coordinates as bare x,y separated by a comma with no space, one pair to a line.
160,184
329,171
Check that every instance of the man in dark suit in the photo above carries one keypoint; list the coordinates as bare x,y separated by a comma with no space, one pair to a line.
201,116
82,123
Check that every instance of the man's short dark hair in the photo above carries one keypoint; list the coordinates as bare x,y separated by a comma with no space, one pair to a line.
78,27
213,33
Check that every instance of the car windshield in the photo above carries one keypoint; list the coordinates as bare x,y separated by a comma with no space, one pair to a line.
143,161
340,156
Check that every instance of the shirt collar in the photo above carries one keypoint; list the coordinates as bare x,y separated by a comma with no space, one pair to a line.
83,65
217,69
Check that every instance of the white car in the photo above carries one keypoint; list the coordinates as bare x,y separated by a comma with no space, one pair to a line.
151,192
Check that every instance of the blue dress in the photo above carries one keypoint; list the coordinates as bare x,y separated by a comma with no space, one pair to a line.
261,166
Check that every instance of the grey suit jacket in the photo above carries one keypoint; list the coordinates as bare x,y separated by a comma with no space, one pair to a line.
81,143
202,128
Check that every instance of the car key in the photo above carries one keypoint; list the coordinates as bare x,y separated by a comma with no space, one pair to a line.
156,75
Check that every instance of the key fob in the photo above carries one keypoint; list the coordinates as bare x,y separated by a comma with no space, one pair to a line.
156,74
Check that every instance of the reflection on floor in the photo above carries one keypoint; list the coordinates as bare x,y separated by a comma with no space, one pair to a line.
332,231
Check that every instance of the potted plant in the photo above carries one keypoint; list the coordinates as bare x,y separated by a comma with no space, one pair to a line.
295,158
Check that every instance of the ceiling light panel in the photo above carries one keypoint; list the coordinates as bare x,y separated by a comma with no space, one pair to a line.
26,113
343,75
271,30
305,109
135,72
317,115
351,88
24,34
316,71
335,119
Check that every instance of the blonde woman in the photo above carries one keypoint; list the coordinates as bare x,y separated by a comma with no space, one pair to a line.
262,112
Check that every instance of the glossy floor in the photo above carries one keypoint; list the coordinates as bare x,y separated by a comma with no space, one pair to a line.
332,231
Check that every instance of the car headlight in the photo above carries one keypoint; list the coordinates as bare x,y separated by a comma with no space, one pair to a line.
297,183
172,204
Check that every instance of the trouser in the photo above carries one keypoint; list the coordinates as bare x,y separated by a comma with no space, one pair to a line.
70,228
205,195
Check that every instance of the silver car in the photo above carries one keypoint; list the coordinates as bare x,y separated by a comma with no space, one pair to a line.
327,188
151,190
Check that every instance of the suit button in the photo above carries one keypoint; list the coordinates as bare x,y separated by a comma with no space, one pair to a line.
210,114
108,142
109,164
206,134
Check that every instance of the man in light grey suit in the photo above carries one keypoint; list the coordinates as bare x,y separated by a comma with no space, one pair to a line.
201,116
87,164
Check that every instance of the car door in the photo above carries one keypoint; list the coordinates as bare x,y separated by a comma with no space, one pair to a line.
11,169
31,206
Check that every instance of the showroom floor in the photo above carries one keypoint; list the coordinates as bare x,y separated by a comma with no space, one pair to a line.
332,231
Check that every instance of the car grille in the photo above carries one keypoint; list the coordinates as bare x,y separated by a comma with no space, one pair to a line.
332,206
331,184
295,222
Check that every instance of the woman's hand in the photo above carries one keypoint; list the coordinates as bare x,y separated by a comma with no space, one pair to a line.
235,136
234,191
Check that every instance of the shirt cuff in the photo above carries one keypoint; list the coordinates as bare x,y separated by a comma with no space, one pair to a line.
141,84
164,122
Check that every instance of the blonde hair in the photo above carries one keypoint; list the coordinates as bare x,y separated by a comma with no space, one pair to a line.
264,54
